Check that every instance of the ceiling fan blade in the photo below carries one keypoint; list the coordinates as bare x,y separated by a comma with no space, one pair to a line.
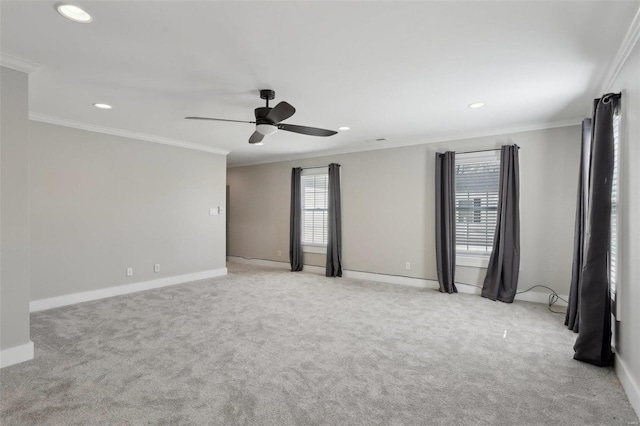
256,137
280,112
313,131
218,119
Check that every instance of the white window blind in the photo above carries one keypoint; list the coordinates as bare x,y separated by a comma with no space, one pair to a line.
315,199
477,183
613,250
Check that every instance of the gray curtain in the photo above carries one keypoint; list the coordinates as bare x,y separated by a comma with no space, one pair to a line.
571,319
501,281
334,236
295,228
446,220
593,344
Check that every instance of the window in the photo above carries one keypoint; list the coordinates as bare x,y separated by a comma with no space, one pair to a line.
315,200
477,184
469,209
613,249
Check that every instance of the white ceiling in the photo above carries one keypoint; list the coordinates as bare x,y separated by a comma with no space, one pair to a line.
404,71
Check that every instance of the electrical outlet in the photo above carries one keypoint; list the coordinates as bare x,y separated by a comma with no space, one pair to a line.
279,253
407,266
129,272
156,267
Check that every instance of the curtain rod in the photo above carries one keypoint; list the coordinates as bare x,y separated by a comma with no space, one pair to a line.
318,167
481,150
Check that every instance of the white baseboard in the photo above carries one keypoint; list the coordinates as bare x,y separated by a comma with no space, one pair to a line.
391,279
530,296
368,276
259,262
628,383
16,355
273,264
71,299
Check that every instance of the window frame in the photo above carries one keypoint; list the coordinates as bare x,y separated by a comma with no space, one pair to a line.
306,246
614,243
467,258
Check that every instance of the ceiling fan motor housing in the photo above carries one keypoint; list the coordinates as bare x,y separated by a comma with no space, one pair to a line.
263,125
261,115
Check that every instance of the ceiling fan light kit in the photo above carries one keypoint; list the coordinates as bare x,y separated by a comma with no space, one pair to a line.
268,120
266,129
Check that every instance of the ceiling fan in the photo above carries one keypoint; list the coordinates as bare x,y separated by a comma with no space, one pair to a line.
268,120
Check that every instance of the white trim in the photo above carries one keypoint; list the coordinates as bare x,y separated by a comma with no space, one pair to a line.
311,173
273,264
472,261
359,275
103,293
530,296
123,133
18,64
628,43
617,158
392,279
388,144
629,384
16,355
314,171
258,262
478,157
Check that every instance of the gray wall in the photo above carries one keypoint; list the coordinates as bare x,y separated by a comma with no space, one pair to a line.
103,203
388,208
628,332
14,206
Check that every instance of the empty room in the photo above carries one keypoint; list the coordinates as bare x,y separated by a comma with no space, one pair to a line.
319,212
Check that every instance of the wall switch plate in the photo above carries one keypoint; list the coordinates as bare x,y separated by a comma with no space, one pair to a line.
156,267
279,252
407,266
213,211
129,272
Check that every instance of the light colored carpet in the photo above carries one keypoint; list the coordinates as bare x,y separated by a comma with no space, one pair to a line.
270,347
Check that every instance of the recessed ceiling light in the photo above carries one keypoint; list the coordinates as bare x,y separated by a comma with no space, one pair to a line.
344,128
477,105
102,106
259,143
73,13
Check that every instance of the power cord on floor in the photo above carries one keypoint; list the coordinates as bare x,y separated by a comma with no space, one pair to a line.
553,296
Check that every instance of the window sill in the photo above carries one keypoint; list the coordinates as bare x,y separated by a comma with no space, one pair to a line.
472,261
308,248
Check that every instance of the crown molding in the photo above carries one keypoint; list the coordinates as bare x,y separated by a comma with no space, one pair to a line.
123,133
628,43
18,64
374,146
